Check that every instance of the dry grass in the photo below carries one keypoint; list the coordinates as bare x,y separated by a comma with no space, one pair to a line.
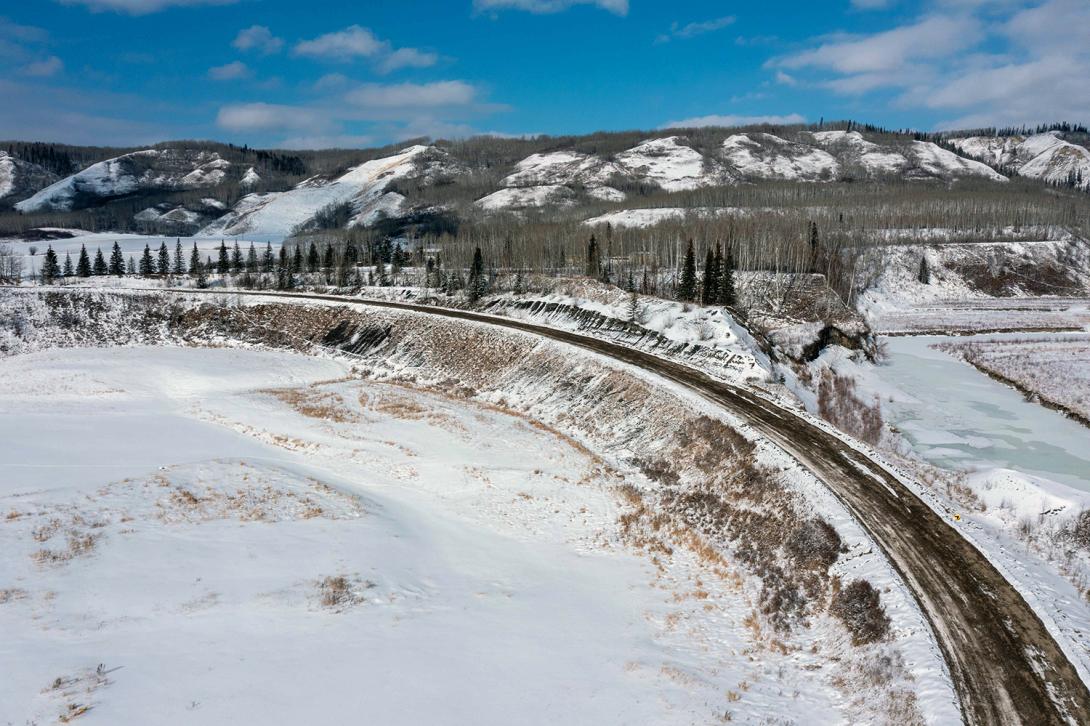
340,592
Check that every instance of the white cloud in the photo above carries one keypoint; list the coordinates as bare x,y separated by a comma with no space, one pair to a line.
407,58
229,72
51,66
343,45
786,79
357,42
141,7
731,120
871,4
541,7
693,29
268,116
413,95
932,37
259,38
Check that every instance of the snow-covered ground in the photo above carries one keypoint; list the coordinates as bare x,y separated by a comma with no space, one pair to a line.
177,515
438,597
1044,156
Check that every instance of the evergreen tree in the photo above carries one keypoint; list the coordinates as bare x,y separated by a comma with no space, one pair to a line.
68,269
297,260
99,268
815,246
380,278
223,266
179,260
686,289
924,275
251,260
83,267
709,293
313,259
236,259
726,280
50,266
147,265
268,261
478,280
594,262
163,265
117,261
351,254
195,265
327,259
201,273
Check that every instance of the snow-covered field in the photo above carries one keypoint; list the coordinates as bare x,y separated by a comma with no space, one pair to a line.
314,552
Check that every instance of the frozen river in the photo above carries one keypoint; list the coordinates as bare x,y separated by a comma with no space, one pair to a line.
957,417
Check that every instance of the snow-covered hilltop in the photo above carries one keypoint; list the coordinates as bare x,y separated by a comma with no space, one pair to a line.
1044,156
139,171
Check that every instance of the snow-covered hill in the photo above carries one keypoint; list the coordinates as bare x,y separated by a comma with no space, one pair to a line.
673,164
19,178
364,187
147,170
1041,156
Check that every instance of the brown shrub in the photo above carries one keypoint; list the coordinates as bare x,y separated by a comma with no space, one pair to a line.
814,545
859,607
1080,529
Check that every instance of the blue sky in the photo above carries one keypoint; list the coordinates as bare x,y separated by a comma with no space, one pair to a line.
291,74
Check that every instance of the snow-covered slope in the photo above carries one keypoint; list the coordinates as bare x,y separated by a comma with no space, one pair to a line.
276,214
151,169
522,197
19,178
852,148
1040,156
671,164
934,160
766,156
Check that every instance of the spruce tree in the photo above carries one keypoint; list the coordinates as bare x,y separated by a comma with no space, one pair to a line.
99,268
236,259
179,259
68,269
815,246
297,260
223,266
478,279
268,262
327,259
251,260
726,281
593,258
147,265
708,292
50,266
924,275
312,258
117,261
83,267
195,264
163,265
686,289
